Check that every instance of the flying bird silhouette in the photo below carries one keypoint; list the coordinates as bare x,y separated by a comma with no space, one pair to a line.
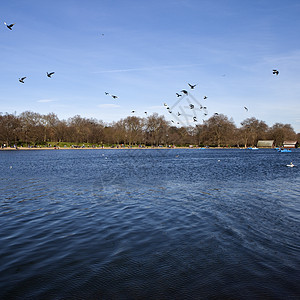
178,95
9,26
205,97
192,106
133,111
178,114
50,74
115,97
192,86
22,79
184,91
106,93
275,72
195,119
246,108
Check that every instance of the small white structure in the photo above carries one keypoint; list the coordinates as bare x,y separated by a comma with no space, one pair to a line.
290,144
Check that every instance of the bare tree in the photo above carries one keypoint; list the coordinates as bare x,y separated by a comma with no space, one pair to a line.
253,130
282,132
9,129
219,130
156,129
32,127
134,129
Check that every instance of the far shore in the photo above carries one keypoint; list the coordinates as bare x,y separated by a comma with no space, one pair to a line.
95,148
112,148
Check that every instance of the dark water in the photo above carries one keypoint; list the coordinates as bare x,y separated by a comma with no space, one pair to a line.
149,224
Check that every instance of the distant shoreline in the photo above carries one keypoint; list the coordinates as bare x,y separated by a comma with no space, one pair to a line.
107,148
96,148
115,148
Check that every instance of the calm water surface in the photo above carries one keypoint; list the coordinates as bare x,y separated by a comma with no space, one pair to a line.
149,224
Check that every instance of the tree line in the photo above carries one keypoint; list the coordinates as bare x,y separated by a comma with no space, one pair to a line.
31,128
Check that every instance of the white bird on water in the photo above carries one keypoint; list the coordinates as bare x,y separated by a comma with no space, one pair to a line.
291,165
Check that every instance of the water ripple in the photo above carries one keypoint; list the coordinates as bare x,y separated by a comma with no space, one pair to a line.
151,224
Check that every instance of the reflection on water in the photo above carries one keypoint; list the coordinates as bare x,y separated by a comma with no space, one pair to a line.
155,224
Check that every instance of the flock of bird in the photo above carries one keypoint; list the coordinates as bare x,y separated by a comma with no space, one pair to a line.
48,75
180,95
21,80
193,107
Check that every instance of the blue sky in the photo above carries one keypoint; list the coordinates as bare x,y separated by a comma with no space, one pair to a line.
146,51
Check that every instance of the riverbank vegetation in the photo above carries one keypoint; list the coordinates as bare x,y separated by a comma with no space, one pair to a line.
34,129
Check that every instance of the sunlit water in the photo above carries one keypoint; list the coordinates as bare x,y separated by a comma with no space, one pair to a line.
149,224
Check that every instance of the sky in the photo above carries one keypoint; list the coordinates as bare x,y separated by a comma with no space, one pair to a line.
145,52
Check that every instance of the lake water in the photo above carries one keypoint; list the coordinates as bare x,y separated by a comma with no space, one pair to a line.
149,224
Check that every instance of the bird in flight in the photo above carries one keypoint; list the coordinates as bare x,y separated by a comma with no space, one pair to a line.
22,79
275,72
9,26
115,97
165,104
192,106
106,93
246,108
184,91
178,95
133,111
195,119
178,114
192,86
50,74
205,97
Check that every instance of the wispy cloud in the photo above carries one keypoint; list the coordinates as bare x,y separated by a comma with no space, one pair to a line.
108,105
147,68
45,100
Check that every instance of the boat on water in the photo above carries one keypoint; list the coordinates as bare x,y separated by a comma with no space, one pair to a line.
252,148
291,165
284,150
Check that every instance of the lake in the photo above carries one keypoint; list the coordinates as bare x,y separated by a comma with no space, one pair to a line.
149,224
